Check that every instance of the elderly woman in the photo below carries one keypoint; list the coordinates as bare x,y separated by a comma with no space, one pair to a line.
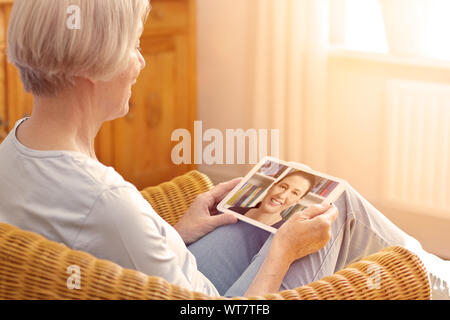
51,180
52,184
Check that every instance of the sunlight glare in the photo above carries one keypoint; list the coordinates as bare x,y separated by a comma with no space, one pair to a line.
365,26
437,40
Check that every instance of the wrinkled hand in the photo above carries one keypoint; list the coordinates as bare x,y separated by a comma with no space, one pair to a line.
202,216
305,232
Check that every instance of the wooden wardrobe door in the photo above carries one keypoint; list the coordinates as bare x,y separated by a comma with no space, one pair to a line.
3,119
159,105
18,102
15,103
3,115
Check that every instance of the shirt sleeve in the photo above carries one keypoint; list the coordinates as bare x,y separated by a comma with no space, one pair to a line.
122,227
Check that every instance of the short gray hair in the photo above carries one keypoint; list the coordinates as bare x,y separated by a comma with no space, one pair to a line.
49,55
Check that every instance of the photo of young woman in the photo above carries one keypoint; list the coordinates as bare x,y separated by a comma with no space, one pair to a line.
283,194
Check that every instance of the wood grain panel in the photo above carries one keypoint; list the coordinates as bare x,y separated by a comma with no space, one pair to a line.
159,106
18,103
167,16
3,129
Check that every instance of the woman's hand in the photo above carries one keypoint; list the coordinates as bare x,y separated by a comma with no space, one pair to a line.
202,216
305,232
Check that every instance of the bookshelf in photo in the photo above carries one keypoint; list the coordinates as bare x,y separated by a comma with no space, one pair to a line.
254,189
272,169
324,187
318,193
286,214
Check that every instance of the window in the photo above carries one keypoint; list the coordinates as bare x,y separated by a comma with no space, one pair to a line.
399,27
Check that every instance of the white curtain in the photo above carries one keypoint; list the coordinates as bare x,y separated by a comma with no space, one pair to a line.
289,76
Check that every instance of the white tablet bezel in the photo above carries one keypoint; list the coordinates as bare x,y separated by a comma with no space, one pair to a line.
331,198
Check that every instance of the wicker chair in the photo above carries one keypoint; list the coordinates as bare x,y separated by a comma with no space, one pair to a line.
32,267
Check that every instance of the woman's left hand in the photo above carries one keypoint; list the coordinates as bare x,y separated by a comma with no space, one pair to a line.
202,216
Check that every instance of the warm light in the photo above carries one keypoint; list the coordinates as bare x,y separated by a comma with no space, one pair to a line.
437,40
414,27
365,26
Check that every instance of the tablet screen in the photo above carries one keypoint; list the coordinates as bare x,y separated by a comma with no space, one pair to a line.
274,190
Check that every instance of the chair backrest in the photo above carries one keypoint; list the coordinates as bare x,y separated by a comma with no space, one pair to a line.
32,267
171,199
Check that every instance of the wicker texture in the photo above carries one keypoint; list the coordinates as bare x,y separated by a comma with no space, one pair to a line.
32,267
172,199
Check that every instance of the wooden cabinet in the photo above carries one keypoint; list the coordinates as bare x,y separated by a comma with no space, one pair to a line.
2,98
3,124
138,145
16,103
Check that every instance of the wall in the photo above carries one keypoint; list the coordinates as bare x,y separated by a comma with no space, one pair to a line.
223,72
356,97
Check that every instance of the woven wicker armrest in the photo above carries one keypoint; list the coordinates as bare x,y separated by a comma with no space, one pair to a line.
32,267
171,199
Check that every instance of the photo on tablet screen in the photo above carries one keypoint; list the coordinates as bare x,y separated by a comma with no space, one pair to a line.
274,190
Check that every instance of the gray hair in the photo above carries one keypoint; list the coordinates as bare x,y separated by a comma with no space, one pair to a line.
49,54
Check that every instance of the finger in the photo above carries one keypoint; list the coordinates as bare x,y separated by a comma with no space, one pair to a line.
222,189
314,210
223,219
213,211
332,213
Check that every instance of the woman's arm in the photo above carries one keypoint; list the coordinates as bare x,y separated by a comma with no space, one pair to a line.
305,232
270,275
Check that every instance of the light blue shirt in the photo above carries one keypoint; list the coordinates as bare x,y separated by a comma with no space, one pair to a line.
70,198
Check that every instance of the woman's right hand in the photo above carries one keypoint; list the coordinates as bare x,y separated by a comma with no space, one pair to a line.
305,232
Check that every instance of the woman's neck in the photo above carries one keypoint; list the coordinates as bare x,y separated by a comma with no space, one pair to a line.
63,123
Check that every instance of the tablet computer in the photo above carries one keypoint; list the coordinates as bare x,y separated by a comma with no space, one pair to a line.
274,190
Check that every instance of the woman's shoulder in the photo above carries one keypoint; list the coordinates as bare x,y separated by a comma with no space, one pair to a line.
100,174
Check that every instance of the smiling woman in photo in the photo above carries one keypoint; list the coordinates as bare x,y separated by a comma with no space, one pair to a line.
283,194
